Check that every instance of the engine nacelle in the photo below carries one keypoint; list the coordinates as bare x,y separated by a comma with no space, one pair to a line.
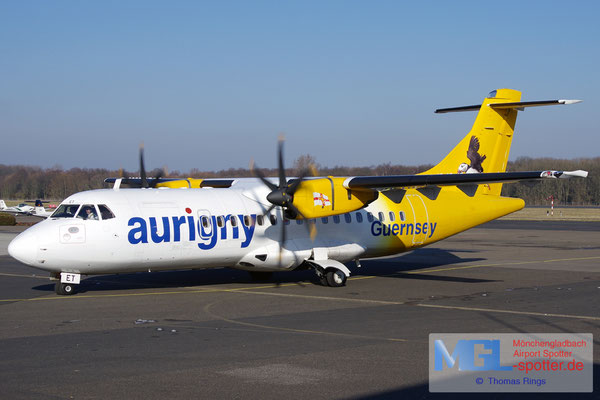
323,197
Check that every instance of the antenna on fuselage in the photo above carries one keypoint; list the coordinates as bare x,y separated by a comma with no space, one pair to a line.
117,184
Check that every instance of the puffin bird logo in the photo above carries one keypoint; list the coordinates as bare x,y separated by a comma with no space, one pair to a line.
475,158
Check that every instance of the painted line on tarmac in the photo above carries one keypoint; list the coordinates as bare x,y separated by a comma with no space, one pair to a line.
302,296
99,296
295,330
491,310
25,276
248,290
381,302
495,265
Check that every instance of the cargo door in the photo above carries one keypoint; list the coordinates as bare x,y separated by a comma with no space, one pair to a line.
420,217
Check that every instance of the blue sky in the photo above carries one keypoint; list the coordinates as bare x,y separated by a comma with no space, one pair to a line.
210,85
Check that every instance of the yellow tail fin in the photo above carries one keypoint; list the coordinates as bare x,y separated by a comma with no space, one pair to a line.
486,147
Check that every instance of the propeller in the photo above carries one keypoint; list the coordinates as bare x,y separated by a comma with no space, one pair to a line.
145,183
282,195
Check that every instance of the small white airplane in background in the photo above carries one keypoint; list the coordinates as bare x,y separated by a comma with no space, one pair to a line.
25,209
264,224
22,208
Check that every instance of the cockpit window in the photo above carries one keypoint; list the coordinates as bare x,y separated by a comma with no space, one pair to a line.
88,211
105,212
65,211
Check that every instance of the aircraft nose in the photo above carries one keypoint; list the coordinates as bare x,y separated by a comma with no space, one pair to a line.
23,248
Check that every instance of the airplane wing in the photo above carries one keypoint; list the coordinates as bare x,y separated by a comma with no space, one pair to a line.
182,182
38,215
405,181
12,210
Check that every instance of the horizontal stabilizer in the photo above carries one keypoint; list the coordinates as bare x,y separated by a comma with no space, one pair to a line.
474,107
579,173
512,105
523,104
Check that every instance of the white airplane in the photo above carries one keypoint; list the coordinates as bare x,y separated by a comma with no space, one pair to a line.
39,210
22,208
275,224
25,209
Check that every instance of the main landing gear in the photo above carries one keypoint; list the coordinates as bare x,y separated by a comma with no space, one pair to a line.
330,272
332,277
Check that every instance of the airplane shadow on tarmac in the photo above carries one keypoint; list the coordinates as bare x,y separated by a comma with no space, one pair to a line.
400,267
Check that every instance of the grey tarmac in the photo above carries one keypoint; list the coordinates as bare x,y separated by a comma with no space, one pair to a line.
219,334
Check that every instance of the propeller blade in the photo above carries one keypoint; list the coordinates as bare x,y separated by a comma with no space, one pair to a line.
154,181
282,240
142,169
269,210
259,174
312,229
280,167
294,186
283,232
310,223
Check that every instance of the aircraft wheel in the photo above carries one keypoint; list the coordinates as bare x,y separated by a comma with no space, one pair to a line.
336,278
64,289
323,280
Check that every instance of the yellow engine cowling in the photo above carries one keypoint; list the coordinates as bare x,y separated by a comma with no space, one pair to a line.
322,197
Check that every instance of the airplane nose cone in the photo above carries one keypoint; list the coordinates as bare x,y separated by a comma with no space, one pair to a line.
23,248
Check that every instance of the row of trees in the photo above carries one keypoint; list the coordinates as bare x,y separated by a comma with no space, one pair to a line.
24,182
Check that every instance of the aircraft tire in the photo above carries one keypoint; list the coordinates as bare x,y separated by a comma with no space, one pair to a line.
323,280
64,289
336,278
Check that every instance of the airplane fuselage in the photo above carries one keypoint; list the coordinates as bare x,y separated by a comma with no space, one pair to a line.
164,229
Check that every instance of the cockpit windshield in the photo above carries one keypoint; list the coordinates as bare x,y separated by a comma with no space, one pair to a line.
105,211
65,211
89,212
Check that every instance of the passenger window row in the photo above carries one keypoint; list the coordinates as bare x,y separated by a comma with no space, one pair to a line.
260,219
370,217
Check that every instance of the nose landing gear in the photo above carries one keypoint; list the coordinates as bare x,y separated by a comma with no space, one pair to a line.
64,289
67,283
